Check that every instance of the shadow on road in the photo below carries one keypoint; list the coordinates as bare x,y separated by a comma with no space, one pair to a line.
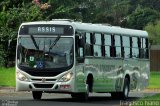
100,99
67,101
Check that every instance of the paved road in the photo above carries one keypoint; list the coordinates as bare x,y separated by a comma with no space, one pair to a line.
12,98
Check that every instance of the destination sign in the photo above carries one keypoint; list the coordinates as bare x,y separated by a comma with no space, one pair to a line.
46,30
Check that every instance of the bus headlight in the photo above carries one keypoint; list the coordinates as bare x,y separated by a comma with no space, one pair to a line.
22,77
66,77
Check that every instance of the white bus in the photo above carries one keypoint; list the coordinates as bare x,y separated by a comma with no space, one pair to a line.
63,56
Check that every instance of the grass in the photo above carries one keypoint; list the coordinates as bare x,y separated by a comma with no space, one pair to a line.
7,77
154,97
147,101
154,81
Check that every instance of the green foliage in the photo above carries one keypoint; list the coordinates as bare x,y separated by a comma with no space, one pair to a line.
125,13
2,57
10,19
154,32
153,4
112,12
141,17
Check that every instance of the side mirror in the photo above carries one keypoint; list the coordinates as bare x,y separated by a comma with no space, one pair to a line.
9,44
12,44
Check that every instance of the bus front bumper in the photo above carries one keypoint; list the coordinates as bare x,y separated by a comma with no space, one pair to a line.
44,86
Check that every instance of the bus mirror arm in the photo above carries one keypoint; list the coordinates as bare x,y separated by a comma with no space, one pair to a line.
9,44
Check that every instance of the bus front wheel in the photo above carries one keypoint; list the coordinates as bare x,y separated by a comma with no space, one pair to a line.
83,95
126,89
37,95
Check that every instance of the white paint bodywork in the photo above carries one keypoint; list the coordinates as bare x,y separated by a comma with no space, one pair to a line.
106,79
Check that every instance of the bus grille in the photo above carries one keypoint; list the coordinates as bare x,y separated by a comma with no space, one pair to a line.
45,79
43,85
43,73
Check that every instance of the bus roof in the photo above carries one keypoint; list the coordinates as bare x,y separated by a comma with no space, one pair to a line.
89,27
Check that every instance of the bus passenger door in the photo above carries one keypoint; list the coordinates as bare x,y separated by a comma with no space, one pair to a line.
79,68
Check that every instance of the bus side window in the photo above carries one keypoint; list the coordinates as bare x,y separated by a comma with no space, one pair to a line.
88,51
107,43
126,46
135,47
118,46
144,48
97,45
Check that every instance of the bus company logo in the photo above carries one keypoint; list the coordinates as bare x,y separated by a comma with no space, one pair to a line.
43,80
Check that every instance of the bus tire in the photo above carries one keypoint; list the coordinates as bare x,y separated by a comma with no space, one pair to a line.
86,94
37,95
76,95
115,95
83,95
124,94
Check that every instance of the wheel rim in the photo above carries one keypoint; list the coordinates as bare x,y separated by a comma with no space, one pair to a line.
87,91
87,88
126,91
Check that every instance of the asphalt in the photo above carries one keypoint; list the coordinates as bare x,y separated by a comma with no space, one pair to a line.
9,97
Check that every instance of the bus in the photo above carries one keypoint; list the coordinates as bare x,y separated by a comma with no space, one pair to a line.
64,56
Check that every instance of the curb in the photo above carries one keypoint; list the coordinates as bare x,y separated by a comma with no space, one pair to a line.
152,90
7,89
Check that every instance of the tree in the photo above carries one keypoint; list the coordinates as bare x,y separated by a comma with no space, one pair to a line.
153,30
126,13
62,9
153,4
14,13
141,17
119,12
10,19
111,12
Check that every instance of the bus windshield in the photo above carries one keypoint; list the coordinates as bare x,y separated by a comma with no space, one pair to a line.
45,52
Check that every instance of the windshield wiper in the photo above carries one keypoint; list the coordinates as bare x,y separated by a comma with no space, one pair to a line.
55,42
34,42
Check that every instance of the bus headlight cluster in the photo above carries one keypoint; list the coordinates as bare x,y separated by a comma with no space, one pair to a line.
21,77
66,77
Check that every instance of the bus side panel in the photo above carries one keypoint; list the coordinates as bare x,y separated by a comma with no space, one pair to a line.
80,78
145,74
132,68
107,74
114,72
